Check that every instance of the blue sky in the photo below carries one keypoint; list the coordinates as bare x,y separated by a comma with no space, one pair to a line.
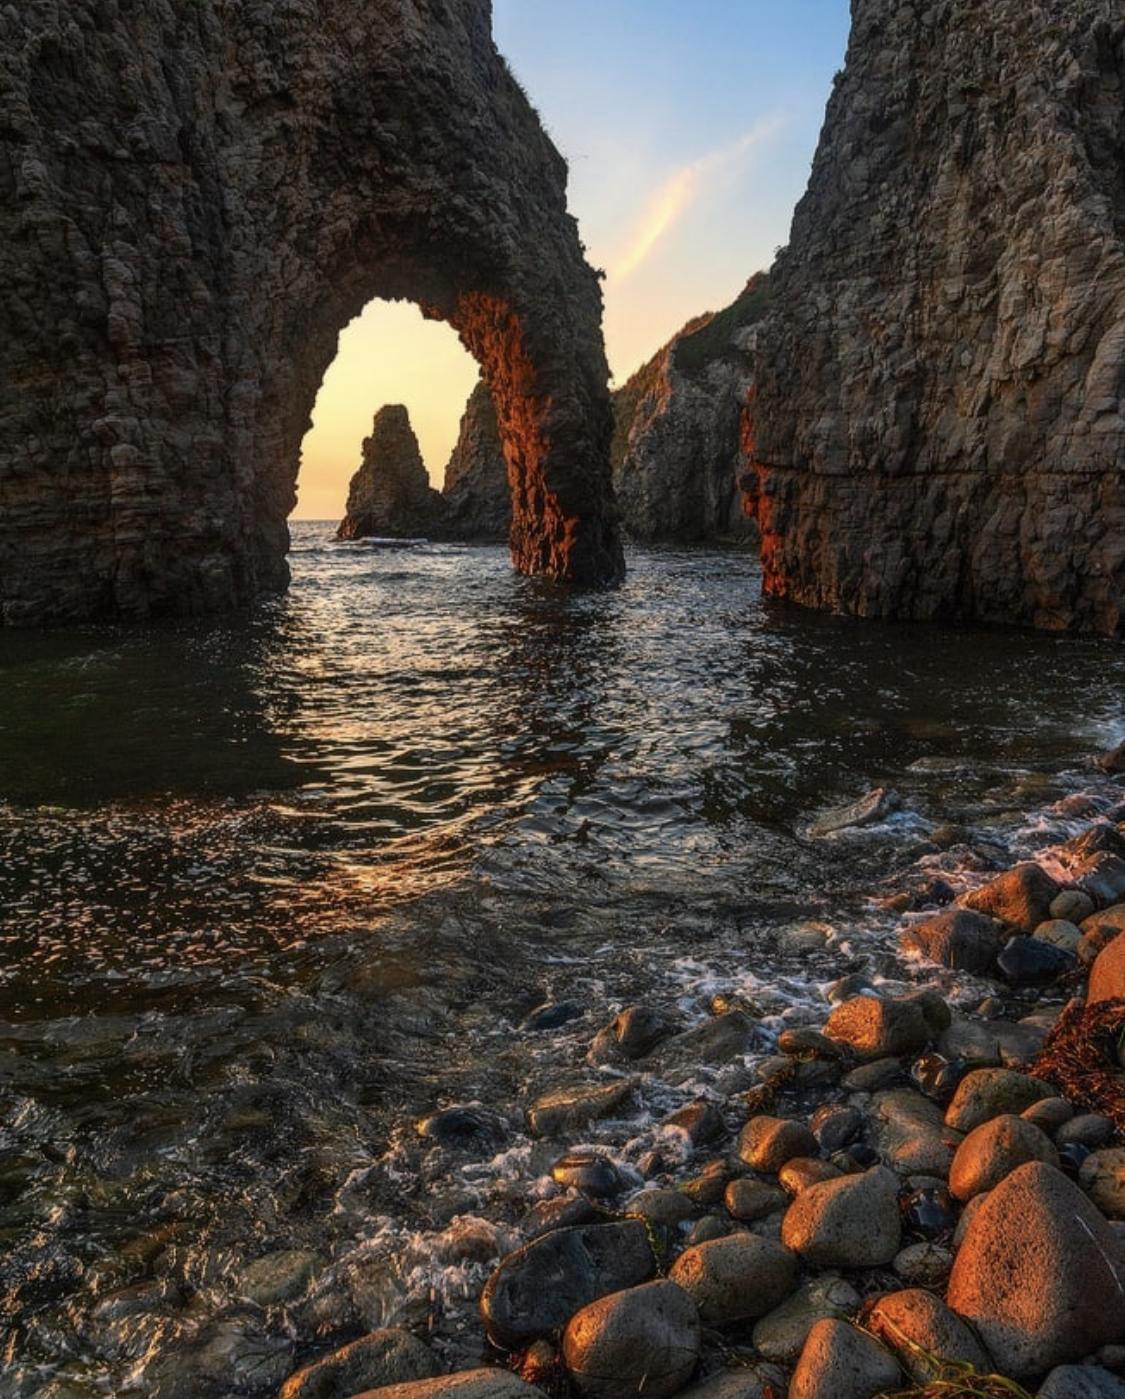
689,131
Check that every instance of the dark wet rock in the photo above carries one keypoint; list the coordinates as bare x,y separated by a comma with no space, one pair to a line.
1114,760
710,1227
748,1199
467,1127
923,1264
1073,905
933,1005
959,938
279,1277
879,1075
1107,976
563,1212
839,1361
766,1143
781,1335
668,1208
836,1125
1049,1114
1030,961
870,810
539,1288
991,1043
928,1210
1060,932
802,1171
874,1028
937,1077
993,1150
851,1222
1100,838
749,1380
1072,1157
701,1122
911,1133
588,1172
986,1093
233,1350
925,1334
642,1341
1102,1177
736,1278
1103,878
715,1041
1081,1382
709,1186
568,1110
552,1016
1048,1291
805,1041
388,1357
632,1034
1089,1129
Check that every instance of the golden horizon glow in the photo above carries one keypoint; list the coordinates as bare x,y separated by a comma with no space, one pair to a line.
388,354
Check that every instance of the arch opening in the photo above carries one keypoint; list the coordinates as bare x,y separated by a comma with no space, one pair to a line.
390,354
183,302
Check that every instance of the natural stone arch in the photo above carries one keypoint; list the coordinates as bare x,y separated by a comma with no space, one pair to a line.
195,198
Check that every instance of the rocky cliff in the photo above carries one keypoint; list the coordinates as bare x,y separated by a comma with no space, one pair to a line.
938,428
677,454
478,501
390,494
194,200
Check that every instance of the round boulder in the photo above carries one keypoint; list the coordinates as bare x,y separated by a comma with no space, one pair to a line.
994,1150
1102,1176
766,1143
924,1334
853,1222
957,937
1107,975
986,1093
735,1278
877,1029
643,1341
841,1362
1038,1274
1020,897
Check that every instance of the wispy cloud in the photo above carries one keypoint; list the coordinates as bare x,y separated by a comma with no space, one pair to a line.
684,189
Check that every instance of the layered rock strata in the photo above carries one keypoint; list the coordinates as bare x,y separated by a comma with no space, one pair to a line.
938,428
677,451
391,494
194,200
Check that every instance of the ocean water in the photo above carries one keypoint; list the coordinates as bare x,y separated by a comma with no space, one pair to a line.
275,889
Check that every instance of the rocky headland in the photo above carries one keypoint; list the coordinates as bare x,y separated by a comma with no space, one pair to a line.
921,1192
677,447
939,415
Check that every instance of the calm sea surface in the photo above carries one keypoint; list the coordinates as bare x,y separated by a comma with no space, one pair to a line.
274,889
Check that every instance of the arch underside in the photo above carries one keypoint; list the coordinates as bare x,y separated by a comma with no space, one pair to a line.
190,213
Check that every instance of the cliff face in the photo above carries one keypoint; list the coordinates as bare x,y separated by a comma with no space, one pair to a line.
677,454
477,499
938,426
390,495
194,200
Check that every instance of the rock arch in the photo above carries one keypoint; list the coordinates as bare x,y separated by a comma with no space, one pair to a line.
195,197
